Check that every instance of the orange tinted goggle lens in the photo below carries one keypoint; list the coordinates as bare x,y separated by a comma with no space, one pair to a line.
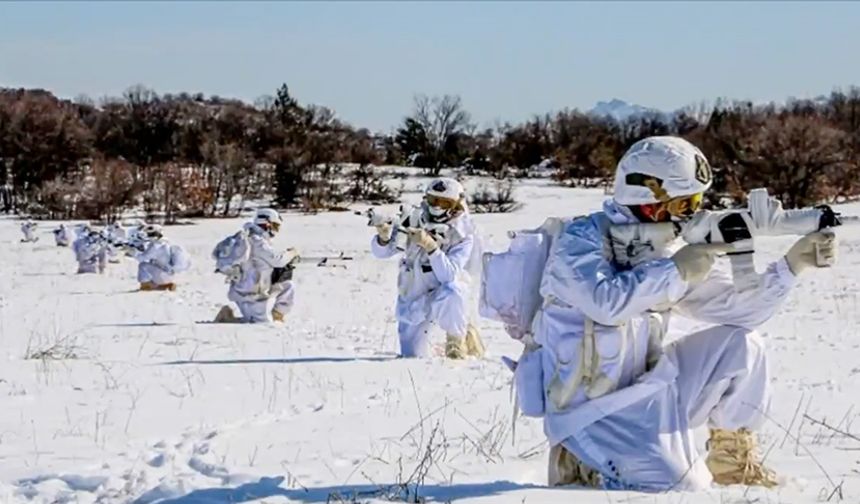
684,206
443,203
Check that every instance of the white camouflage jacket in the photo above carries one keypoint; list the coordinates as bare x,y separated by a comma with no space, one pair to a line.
421,274
581,286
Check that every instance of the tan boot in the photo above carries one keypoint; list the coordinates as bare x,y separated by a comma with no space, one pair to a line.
455,347
474,345
733,459
147,286
566,469
225,316
277,316
165,287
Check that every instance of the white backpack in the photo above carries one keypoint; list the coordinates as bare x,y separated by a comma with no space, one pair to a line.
510,280
231,253
510,293
179,259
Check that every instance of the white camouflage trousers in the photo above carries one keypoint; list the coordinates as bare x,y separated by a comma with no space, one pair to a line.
149,272
257,311
721,380
447,309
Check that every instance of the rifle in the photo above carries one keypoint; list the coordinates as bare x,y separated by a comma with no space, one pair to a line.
284,274
322,261
764,216
408,219
135,244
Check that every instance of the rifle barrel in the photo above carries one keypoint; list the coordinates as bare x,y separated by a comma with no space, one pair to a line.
317,259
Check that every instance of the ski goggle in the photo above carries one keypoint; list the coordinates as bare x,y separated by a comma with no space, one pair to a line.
440,202
270,226
684,206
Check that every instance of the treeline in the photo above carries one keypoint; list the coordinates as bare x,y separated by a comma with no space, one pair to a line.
804,152
177,155
191,156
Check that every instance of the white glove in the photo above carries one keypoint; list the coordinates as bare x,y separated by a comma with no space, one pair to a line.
694,261
423,239
383,233
292,255
816,249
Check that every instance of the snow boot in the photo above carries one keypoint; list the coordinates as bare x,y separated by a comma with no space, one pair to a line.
147,286
277,316
455,347
474,345
733,459
225,316
565,469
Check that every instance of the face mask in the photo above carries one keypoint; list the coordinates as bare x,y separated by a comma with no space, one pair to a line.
436,211
439,208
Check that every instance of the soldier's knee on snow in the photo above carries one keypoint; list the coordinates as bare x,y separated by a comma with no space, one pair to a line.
413,348
414,339
407,351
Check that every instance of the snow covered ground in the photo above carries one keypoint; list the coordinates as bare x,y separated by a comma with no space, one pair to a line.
138,399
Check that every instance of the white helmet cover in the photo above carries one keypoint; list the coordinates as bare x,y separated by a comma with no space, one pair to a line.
445,187
451,192
659,168
270,218
152,230
267,216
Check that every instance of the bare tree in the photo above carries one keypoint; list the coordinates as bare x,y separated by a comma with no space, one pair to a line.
101,189
699,112
108,189
443,119
800,158
230,175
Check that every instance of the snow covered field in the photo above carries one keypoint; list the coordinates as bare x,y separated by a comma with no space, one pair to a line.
137,399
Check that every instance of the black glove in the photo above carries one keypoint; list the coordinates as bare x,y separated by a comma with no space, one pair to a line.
281,275
829,218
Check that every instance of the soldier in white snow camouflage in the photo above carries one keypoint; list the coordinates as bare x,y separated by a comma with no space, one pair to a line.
261,275
435,272
620,409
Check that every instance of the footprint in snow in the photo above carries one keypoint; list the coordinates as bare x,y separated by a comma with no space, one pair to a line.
158,460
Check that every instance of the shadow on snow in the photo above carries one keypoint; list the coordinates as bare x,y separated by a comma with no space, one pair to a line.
136,324
283,360
269,487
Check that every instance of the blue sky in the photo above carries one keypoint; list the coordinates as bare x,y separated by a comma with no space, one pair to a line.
507,60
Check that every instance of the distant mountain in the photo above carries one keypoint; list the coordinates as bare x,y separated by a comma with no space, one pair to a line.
620,110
